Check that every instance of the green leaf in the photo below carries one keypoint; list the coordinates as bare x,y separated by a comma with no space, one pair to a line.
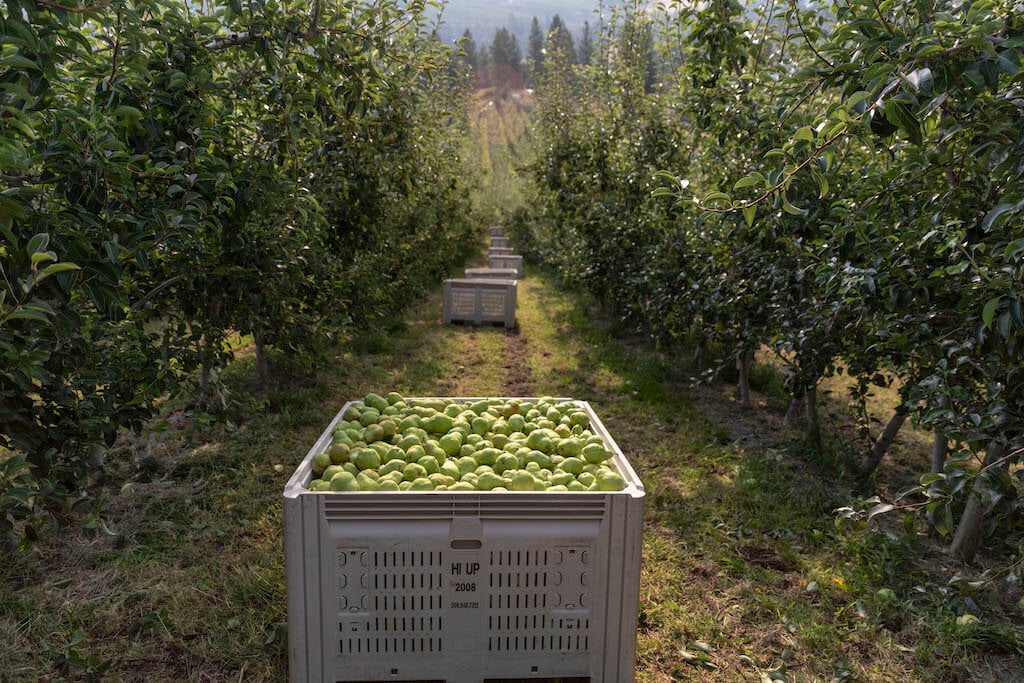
998,211
41,256
1014,249
53,269
129,114
926,50
716,196
37,243
749,214
957,268
989,312
804,133
856,99
1007,66
789,208
823,185
922,80
898,114
17,61
28,313
879,509
943,519
748,181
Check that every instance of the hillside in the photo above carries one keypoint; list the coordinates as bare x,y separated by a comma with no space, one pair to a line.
483,18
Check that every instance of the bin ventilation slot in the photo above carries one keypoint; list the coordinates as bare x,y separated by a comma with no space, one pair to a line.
527,587
401,590
492,304
529,633
464,302
375,645
529,508
540,643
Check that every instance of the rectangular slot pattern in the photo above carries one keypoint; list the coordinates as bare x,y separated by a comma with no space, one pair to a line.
401,591
493,304
375,645
525,589
479,301
463,302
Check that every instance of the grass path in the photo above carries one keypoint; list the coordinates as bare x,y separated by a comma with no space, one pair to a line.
745,573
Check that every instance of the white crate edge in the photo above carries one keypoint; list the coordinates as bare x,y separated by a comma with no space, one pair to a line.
491,273
621,612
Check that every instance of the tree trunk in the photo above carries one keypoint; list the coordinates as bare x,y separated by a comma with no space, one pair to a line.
700,355
743,362
793,411
206,372
883,442
262,363
811,415
967,538
940,451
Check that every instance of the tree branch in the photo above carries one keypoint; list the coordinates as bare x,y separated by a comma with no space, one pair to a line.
156,290
239,39
75,10
807,40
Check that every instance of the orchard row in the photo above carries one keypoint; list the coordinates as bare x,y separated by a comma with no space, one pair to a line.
178,173
840,185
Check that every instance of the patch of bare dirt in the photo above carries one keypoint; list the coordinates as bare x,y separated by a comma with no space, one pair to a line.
755,426
465,376
518,379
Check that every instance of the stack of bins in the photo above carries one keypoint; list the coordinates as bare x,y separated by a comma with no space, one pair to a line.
484,297
501,255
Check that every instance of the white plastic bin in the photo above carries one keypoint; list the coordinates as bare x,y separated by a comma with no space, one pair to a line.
501,251
496,231
480,301
463,586
500,242
513,261
491,273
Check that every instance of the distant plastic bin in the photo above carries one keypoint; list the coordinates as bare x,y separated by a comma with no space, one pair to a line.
491,273
480,301
499,242
501,251
513,261
463,586
496,231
